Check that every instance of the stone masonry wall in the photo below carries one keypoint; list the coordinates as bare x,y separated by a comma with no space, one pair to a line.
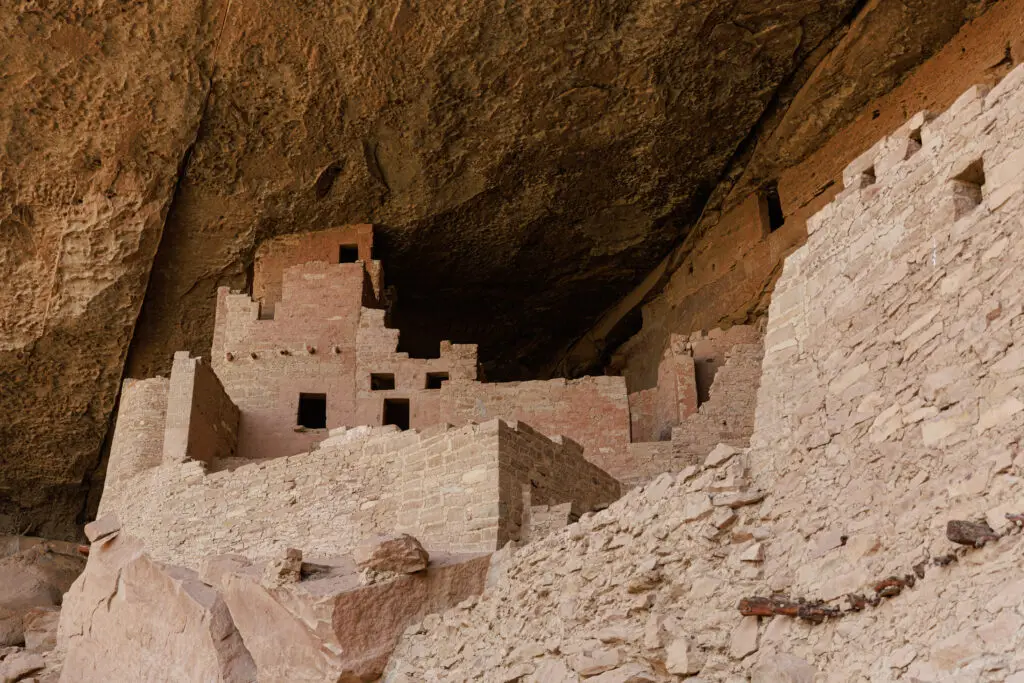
890,404
593,411
138,442
654,412
275,256
202,422
445,486
377,353
309,347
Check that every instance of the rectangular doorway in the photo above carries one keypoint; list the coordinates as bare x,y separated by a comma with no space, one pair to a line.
396,412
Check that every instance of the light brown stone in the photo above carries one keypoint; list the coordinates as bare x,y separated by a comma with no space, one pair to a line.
401,554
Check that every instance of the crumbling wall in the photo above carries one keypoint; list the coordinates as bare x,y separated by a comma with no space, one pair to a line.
535,470
889,405
202,422
463,490
377,353
654,412
592,411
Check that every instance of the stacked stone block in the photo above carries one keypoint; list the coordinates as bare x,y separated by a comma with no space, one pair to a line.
457,490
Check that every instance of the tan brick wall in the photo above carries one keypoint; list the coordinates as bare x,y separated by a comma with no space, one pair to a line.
275,256
202,422
593,411
445,486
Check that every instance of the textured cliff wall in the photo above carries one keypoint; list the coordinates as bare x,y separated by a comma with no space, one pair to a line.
100,105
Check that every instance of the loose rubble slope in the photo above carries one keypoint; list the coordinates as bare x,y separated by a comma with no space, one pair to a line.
889,405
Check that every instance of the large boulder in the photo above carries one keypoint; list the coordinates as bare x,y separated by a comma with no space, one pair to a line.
127,618
330,626
36,577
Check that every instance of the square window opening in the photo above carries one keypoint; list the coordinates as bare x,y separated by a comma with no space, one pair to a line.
776,217
396,412
312,412
434,379
382,381
348,253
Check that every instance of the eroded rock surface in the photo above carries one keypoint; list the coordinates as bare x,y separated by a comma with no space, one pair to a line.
100,104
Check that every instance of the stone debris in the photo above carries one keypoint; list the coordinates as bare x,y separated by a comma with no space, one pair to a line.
17,667
399,554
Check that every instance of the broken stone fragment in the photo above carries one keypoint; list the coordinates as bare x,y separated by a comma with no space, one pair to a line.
630,673
401,554
744,638
974,534
682,657
282,570
720,455
783,668
597,662
103,528
40,625
738,500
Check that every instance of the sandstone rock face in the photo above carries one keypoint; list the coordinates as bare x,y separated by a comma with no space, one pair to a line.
129,619
100,106
33,578
401,554
328,627
526,163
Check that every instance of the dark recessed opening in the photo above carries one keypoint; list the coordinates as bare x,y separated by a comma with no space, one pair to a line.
776,219
348,253
382,381
396,412
266,312
869,176
313,411
969,188
704,371
434,379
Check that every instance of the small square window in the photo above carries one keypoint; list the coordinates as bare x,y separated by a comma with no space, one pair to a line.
382,381
348,253
434,379
396,412
312,411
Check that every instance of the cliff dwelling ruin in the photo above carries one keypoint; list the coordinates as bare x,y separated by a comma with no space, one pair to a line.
523,343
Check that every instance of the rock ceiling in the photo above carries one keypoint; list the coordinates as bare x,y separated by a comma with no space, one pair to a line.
527,162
